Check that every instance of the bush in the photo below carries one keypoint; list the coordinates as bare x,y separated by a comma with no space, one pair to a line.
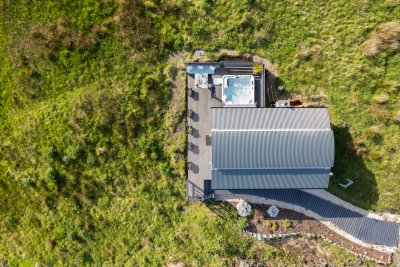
268,223
105,179
257,68
71,154
287,224
385,39
91,159
72,236
372,132
51,175
243,222
27,182
381,99
396,117
165,168
51,152
274,226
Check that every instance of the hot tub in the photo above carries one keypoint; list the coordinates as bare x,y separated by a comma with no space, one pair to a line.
238,90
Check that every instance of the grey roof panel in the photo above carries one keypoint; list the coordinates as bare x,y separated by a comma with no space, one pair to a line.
273,179
270,118
272,149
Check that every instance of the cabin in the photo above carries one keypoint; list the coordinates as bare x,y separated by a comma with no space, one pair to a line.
236,140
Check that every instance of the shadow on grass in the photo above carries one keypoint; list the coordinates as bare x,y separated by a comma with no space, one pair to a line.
349,164
221,208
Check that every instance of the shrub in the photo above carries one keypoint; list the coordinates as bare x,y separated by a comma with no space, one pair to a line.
257,68
268,223
154,155
287,224
72,236
91,159
274,226
165,168
105,179
378,113
396,117
307,53
385,39
372,132
71,154
271,224
51,152
243,222
381,99
51,175
27,182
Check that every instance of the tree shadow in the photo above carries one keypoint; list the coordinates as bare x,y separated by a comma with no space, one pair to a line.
349,164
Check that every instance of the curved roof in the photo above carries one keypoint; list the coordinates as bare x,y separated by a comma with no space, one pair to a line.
270,119
269,148
272,149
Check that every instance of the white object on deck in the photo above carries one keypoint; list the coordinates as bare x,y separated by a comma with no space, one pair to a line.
217,81
349,182
201,80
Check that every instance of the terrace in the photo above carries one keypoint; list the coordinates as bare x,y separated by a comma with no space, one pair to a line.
213,85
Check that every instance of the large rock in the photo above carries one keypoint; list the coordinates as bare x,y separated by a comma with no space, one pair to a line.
273,211
243,208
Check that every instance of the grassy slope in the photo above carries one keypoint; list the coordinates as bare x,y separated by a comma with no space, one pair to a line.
89,142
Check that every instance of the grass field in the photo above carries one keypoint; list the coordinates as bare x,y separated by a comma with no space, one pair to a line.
92,107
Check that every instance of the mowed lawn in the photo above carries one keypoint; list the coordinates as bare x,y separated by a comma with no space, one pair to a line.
92,139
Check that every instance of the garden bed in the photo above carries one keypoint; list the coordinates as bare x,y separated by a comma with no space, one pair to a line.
289,221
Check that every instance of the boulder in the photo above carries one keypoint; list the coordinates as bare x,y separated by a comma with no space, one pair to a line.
273,211
243,208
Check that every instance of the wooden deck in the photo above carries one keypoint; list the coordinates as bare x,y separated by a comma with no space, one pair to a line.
200,103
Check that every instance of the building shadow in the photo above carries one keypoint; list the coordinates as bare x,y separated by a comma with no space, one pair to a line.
193,192
222,209
349,164
271,88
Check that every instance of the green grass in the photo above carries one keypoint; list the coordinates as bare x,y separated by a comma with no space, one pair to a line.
91,133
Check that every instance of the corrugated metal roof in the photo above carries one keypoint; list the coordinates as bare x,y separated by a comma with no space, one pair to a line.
275,149
270,118
281,178
361,227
